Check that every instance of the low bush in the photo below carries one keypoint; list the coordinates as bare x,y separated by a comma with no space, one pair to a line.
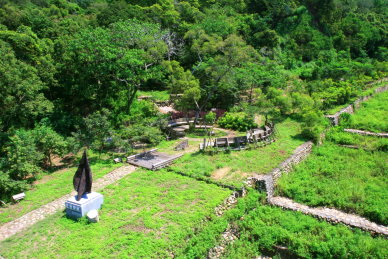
352,180
237,121
372,115
266,230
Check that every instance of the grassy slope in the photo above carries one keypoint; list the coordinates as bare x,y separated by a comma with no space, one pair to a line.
155,95
372,114
347,179
54,186
266,227
263,227
146,214
365,92
242,164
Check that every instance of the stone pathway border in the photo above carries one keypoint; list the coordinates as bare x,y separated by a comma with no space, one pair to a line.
11,228
356,104
331,215
367,133
267,183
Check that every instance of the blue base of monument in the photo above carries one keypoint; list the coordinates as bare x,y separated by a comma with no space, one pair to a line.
88,202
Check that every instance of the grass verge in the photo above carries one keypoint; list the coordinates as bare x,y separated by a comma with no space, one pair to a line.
278,233
145,215
352,180
372,115
55,185
232,168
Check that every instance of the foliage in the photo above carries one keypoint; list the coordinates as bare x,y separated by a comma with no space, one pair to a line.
267,228
264,229
146,214
352,180
233,168
23,157
238,121
371,116
49,143
52,185
21,97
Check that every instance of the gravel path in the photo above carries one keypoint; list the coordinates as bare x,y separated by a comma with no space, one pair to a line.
34,216
332,215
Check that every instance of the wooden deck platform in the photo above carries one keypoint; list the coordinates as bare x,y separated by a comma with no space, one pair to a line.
152,160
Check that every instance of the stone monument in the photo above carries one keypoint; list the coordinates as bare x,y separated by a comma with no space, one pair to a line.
85,200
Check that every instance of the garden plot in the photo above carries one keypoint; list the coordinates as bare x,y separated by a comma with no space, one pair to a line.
351,180
372,115
146,214
260,229
234,167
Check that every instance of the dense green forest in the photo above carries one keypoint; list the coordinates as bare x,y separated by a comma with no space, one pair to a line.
71,70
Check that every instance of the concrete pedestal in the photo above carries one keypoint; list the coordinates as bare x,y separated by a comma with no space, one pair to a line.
88,202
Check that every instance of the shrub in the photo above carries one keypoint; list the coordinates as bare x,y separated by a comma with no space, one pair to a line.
237,121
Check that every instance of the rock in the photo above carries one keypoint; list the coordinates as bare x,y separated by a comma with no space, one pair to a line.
93,216
117,160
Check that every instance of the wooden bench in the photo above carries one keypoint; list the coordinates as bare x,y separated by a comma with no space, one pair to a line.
18,197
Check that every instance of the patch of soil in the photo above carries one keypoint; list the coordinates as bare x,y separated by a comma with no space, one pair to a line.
62,161
136,228
220,173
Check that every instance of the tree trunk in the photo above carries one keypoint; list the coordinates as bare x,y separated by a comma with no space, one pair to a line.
131,96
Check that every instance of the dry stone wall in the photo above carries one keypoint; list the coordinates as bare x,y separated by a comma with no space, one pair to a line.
267,183
334,119
366,133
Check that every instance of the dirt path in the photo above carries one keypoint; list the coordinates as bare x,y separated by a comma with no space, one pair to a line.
27,220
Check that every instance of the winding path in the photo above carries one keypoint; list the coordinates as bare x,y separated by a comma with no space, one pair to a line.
11,228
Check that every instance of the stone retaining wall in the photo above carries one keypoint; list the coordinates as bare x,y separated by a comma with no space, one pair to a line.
267,182
331,215
334,119
366,133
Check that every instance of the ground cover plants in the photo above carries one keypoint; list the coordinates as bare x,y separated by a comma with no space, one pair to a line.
368,90
352,180
271,231
202,133
372,115
234,167
267,229
55,185
155,95
146,214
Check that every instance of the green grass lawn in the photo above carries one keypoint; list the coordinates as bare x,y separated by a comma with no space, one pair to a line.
352,180
365,92
372,115
155,95
201,133
265,228
145,215
262,228
55,185
233,168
